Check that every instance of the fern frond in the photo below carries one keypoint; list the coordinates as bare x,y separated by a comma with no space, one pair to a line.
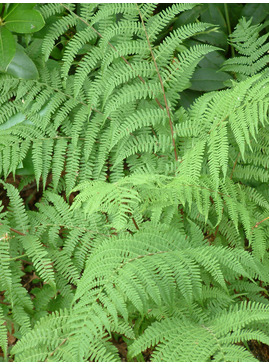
74,46
39,256
16,205
208,341
58,160
245,39
55,31
152,224
47,10
3,334
88,63
166,49
156,23
5,269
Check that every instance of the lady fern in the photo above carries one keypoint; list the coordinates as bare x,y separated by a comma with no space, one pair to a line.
152,222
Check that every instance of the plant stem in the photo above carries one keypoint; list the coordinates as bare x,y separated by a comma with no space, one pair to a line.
18,257
259,222
228,26
161,82
15,231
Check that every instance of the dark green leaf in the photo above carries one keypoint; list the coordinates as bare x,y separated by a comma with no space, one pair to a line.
212,60
56,53
218,39
187,97
188,16
234,11
208,79
26,6
42,32
34,49
86,48
26,168
7,48
52,64
14,120
22,66
7,7
24,21
213,15
18,7
258,12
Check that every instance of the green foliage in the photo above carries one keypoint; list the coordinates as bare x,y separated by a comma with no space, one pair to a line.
148,147
18,18
253,49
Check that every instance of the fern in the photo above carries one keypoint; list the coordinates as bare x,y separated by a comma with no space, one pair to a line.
182,332
152,219
252,48
157,270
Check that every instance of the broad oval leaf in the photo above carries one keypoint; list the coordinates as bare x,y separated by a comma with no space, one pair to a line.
207,79
14,120
24,21
22,66
7,48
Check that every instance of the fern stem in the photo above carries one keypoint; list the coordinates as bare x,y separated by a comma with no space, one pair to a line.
235,163
231,176
161,82
73,227
16,231
216,339
18,257
259,222
50,355
141,257
228,26
135,223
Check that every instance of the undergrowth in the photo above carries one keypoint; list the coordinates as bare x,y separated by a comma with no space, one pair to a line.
149,148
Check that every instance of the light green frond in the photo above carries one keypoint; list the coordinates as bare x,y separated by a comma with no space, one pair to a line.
75,44
17,208
156,23
3,334
245,39
55,31
40,259
166,49
151,229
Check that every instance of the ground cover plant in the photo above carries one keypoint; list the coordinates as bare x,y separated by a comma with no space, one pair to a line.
134,148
